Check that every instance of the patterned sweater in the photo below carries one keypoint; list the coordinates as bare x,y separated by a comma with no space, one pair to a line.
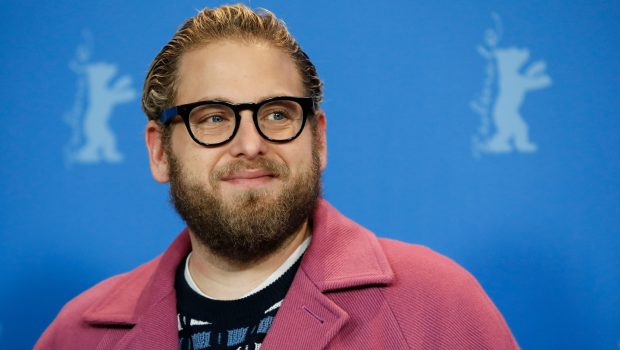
228,324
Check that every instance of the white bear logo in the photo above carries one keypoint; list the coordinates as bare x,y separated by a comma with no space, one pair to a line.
93,140
501,106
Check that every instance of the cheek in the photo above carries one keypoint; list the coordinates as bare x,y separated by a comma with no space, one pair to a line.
197,161
180,139
299,157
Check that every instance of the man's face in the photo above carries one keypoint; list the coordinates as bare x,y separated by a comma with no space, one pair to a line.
242,200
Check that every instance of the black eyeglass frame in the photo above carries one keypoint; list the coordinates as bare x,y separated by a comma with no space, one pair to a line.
307,105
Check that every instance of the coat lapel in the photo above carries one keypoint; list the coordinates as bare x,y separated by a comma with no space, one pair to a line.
157,329
306,320
341,255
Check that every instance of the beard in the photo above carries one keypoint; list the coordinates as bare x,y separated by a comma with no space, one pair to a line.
250,224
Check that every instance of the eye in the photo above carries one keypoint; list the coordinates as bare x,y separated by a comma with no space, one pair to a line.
214,119
276,116
208,119
211,115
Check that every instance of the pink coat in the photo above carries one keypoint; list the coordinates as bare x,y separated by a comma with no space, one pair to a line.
352,291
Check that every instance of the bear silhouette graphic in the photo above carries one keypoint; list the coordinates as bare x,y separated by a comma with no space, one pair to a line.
98,92
508,80
103,96
512,85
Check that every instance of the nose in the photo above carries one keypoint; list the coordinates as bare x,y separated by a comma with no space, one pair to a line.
247,142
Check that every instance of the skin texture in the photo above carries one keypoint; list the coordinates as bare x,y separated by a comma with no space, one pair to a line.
236,72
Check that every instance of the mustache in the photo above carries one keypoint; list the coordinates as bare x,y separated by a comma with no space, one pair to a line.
276,168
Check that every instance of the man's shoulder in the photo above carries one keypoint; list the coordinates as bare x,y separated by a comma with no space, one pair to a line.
422,270
435,295
101,292
122,290
414,261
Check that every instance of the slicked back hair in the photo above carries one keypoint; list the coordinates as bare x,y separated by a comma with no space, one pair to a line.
230,22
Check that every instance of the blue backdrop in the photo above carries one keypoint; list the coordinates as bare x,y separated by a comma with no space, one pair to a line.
498,147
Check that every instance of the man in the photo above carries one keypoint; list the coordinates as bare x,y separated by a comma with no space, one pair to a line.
235,126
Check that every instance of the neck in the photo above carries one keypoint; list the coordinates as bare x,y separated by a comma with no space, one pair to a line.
225,280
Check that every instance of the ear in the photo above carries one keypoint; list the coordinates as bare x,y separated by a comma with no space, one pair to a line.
321,133
158,158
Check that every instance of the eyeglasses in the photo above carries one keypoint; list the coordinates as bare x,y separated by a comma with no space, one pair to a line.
214,123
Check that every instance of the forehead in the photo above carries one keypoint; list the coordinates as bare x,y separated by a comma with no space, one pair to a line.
237,72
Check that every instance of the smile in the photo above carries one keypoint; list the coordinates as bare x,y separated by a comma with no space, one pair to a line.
249,177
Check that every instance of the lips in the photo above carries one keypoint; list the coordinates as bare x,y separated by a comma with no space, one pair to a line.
248,175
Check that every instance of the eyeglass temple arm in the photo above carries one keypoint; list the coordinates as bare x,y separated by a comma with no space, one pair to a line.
168,114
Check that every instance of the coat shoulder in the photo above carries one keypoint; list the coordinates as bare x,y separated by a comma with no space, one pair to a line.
74,317
439,304
417,263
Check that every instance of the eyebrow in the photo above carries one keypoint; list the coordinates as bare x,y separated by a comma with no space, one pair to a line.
218,99
223,99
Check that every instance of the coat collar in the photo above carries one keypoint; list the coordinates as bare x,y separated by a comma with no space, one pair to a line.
341,255
134,293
